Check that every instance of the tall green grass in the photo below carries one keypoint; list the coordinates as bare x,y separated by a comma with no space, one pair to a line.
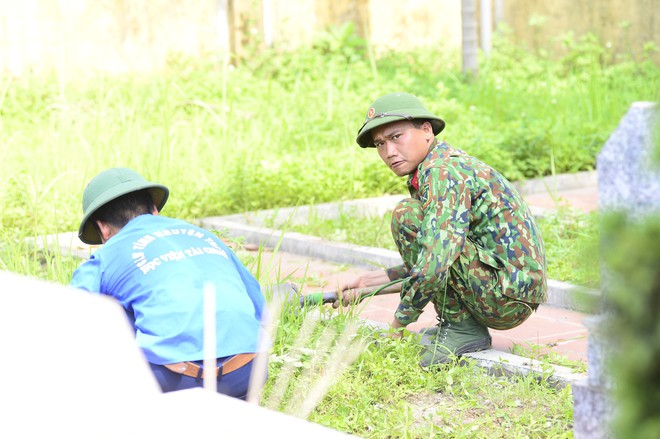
282,131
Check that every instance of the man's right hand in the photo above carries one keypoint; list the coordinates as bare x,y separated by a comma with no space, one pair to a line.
349,292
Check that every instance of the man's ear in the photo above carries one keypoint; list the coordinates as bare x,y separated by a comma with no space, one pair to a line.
105,230
428,130
154,211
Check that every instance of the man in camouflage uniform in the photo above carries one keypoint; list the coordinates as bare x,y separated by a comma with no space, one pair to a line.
468,241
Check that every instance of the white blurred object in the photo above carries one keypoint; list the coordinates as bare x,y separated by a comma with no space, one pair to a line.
72,369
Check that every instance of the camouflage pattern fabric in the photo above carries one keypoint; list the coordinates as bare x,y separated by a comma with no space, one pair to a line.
469,243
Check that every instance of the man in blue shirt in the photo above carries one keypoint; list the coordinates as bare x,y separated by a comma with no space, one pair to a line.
158,268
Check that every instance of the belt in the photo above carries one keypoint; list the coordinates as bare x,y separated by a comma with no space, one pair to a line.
193,370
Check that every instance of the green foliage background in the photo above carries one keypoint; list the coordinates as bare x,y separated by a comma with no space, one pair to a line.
278,129
633,297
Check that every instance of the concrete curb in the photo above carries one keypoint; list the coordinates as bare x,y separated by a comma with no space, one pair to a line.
500,363
556,183
304,245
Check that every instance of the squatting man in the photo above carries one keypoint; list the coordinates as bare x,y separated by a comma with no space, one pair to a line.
468,241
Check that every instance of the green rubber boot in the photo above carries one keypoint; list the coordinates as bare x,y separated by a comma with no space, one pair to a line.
455,339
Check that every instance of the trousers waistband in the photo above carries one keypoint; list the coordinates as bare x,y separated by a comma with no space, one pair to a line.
194,370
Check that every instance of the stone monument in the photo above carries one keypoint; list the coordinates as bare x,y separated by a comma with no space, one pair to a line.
626,182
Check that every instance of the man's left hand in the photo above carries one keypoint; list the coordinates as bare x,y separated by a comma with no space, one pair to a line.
397,329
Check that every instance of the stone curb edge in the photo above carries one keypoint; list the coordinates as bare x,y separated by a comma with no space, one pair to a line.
559,182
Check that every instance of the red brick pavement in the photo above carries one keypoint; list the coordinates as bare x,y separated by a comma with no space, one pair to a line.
580,198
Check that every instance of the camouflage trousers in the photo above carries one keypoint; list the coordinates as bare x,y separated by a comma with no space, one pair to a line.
472,287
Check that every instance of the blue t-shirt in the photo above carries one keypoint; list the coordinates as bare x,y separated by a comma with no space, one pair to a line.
157,267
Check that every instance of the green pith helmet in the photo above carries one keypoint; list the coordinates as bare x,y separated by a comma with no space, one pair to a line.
391,108
111,184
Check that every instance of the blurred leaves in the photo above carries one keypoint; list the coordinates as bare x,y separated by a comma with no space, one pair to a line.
632,295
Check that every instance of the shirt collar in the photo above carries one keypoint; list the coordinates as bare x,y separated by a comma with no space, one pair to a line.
414,181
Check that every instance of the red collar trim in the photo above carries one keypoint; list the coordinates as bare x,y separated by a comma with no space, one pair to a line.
414,181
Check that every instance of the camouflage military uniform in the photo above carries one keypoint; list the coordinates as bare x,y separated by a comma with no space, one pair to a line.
469,244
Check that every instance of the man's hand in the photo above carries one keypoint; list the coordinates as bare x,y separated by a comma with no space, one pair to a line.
349,292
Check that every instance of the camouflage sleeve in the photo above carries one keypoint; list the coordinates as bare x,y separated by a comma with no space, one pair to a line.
446,205
398,272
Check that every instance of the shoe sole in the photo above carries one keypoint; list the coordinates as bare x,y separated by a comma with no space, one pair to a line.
476,346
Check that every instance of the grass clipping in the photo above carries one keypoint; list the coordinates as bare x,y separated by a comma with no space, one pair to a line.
311,365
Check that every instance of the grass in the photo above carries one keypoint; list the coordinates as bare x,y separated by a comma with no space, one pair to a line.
349,225
385,394
571,240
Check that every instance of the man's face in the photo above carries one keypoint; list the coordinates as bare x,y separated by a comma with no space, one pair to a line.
402,146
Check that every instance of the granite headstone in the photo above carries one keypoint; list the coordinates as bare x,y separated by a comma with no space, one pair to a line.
626,178
626,182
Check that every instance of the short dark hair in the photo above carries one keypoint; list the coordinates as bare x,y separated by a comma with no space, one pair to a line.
120,211
417,123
